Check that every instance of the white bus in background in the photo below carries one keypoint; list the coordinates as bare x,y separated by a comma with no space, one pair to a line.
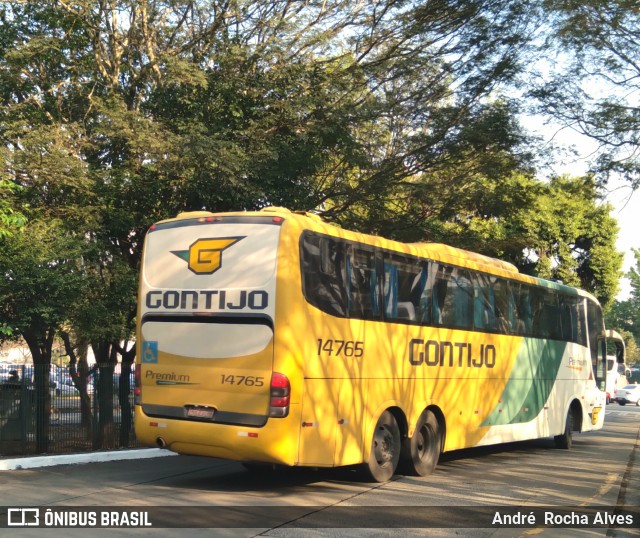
616,367
612,377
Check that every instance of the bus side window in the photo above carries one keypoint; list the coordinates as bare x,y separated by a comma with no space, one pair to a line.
550,315
595,325
390,291
453,298
362,284
404,284
525,313
539,327
323,274
484,302
493,308
580,323
439,292
572,319
420,295
505,307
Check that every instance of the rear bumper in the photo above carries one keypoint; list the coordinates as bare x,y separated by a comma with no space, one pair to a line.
275,442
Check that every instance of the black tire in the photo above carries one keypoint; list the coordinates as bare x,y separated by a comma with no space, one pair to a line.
385,449
620,402
566,439
421,451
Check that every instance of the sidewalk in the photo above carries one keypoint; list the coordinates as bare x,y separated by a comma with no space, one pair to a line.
32,462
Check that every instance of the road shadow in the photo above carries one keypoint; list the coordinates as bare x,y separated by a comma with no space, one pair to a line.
235,478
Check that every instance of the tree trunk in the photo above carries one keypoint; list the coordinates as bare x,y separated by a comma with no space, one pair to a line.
79,372
40,347
124,391
106,356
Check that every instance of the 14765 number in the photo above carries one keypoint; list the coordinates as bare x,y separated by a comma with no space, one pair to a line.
348,348
248,380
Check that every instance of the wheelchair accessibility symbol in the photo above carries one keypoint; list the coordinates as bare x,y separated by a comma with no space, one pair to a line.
150,352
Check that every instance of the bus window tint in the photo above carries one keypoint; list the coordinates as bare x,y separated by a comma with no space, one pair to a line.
452,297
505,312
538,324
484,302
405,282
550,316
596,336
581,322
345,279
362,284
323,274
493,304
524,314
572,319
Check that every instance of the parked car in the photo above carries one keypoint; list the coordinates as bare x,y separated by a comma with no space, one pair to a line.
628,394
63,384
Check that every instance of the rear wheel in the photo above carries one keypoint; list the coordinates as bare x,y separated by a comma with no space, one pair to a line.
385,449
421,451
566,439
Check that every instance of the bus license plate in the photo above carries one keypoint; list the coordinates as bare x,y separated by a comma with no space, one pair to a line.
200,412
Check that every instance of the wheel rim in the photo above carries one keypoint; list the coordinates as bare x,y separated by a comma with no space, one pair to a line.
422,442
426,442
384,445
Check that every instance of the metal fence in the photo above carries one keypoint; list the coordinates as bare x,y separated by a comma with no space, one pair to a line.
49,413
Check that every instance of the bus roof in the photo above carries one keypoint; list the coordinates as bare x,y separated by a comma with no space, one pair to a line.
433,251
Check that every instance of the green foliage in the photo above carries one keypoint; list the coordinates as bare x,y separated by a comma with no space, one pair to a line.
388,117
42,280
594,92
577,235
11,220
625,315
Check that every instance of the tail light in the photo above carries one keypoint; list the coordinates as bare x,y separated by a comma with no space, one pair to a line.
137,391
280,396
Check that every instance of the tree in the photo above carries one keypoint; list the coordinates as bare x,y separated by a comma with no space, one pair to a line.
230,105
104,318
625,315
114,115
597,45
482,195
11,220
41,281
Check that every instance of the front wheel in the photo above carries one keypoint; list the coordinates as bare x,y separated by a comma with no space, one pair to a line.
566,439
385,449
420,453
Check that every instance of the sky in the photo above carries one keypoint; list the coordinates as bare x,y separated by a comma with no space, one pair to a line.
627,212
626,203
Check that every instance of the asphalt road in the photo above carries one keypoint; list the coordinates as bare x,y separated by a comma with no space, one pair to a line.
461,498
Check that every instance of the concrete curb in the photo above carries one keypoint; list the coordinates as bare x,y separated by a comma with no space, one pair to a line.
14,464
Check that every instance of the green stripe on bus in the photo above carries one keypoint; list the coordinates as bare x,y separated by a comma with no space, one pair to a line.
530,383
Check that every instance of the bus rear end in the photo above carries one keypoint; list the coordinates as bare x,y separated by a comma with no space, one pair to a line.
205,383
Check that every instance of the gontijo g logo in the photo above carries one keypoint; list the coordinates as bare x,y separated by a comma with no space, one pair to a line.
204,257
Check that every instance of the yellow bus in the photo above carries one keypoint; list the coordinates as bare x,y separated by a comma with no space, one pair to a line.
272,337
